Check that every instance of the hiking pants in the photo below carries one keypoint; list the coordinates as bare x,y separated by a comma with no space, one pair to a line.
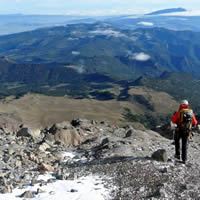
183,136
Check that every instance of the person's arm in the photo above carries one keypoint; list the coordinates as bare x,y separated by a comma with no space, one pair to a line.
174,118
194,121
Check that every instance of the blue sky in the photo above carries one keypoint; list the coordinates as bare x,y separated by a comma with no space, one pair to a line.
91,7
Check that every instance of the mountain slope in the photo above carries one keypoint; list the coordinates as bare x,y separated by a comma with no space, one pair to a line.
90,160
180,86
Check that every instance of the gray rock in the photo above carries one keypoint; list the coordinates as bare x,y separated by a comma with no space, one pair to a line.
129,133
18,163
160,155
104,141
24,132
67,137
2,181
44,146
6,189
11,150
39,191
64,125
83,123
73,190
52,193
109,151
28,194
120,132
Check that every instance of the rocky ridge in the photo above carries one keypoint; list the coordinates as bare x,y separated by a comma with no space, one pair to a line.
138,164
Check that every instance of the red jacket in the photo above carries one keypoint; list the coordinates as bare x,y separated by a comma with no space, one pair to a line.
175,118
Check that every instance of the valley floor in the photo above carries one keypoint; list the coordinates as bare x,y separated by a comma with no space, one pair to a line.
38,111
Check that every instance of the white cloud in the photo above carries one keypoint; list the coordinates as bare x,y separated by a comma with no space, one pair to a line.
143,23
140,56
185,13
75,53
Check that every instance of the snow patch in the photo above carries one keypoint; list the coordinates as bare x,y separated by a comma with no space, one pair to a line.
74,157
143,23
133,16
140,56
70,155
80,69
45,177
84,188
72,39
107,32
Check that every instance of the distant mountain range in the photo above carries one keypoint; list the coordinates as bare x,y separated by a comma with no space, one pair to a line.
104,49
19,23
165,11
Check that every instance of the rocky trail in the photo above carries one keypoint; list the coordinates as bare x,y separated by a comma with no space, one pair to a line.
86,159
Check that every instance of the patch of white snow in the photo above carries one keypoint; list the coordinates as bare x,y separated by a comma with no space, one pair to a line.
143,23
84,188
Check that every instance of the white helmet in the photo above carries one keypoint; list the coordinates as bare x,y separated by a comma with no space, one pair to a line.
185,102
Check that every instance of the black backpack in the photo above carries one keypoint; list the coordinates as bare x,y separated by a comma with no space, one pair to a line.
185,123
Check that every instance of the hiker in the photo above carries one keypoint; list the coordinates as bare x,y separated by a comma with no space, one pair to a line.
184,118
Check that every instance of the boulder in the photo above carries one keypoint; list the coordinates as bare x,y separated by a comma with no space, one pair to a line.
9,122
82,123
45,167
63,125
120,132
66,137
33,158
104,141
44,146
24,132
160,155
129,133
75,122
28,194
4,188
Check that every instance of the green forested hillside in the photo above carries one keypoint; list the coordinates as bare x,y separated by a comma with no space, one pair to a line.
178,85
101,48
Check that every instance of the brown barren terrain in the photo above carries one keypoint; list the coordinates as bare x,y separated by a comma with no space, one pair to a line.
38,111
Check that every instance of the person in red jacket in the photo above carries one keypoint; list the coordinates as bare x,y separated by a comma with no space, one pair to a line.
181,133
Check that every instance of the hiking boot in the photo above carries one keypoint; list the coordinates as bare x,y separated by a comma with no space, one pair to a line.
177,157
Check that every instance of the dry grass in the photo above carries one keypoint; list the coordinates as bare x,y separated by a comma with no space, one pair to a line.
39,111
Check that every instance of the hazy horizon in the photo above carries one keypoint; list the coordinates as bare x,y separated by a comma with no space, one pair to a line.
91,7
